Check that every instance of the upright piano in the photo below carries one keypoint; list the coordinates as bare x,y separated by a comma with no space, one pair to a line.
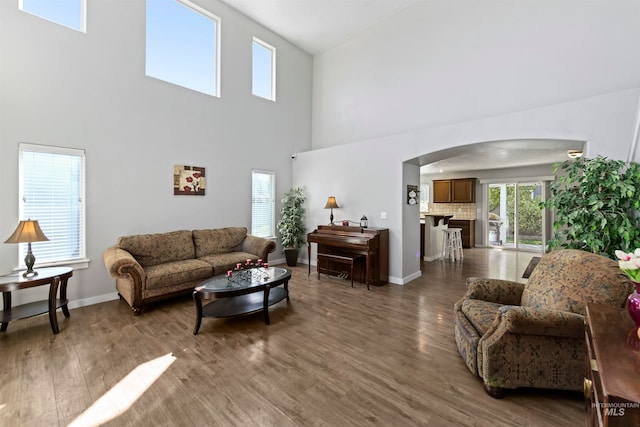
344,240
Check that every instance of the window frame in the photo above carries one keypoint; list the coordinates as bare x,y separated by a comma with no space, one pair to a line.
425,190
81,261
83,16
272,226
217,57
272,70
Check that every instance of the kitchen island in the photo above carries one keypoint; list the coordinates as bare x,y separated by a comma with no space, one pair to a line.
431,227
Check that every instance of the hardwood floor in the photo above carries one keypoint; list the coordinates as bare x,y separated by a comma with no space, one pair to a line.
333,356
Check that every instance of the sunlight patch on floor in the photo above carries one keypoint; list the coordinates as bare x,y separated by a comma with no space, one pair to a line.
124,394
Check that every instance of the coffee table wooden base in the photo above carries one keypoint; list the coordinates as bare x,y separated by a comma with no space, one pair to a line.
240,304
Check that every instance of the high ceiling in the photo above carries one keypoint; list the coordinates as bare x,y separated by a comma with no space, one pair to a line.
319,25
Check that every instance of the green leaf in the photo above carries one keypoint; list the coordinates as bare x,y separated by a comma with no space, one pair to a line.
596,205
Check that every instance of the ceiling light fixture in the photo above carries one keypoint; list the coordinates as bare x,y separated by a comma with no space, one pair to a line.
574,154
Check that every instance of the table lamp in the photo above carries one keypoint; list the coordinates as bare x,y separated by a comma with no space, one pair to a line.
28,231
331,203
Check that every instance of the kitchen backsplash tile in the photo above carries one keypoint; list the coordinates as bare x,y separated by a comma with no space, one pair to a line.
459,210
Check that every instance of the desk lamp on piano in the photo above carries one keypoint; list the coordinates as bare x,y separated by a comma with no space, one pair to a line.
331,204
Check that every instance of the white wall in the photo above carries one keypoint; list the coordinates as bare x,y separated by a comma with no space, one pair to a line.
370,174
443,62
61,87
443,74
410,217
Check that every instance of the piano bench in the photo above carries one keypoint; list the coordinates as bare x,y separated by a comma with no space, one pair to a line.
347,259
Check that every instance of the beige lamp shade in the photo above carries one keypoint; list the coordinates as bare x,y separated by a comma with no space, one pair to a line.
26,232
331,203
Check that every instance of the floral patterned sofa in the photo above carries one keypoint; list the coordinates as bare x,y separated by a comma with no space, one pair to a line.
532,335
150,267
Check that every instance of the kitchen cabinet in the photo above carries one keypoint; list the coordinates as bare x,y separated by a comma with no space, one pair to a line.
442,191
468,231
463,190
454,190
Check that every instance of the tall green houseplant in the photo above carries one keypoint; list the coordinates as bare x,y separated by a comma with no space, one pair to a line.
596,206
291,225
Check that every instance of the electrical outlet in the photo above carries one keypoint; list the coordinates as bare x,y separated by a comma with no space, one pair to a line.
383,215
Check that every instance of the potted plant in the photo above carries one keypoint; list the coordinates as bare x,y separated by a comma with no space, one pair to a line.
596,206
291,225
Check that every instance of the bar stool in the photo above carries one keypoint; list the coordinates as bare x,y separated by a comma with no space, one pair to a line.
452,244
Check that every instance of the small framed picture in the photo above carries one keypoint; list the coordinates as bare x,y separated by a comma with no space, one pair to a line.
189,180
412,194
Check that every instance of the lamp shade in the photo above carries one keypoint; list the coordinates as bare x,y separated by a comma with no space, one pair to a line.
27,231
331,203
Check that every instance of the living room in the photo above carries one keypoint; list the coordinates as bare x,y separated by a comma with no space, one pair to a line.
358,117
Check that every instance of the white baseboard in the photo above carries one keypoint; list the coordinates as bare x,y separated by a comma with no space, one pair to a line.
405,280
93,300
278,261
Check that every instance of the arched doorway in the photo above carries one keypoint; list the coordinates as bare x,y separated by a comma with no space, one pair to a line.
516,171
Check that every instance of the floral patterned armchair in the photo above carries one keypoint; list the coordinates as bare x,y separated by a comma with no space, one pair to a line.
532,335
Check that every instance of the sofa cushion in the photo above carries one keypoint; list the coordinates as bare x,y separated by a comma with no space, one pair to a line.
481,314
568,279
218,241
177,272
154,249
223,262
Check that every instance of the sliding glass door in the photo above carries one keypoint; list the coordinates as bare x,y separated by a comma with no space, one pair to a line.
515,218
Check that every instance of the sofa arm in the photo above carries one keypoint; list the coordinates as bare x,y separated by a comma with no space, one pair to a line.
259,246
494,290
541,321
120,262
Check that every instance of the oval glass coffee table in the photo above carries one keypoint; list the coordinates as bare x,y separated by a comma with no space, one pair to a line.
247,291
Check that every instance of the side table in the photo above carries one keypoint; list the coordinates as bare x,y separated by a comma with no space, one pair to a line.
611,386
55,277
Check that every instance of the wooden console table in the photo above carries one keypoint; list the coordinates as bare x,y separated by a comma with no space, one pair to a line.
55,277
612,379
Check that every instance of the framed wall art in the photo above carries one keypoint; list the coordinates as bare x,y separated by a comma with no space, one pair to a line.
412,194
188,180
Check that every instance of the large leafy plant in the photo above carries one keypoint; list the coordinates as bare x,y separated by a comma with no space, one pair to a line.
291,225
596,206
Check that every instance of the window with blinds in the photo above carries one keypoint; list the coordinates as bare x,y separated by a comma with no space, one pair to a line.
52,192
263,203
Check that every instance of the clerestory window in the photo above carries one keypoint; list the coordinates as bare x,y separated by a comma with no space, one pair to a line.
183,42
70,13
264,70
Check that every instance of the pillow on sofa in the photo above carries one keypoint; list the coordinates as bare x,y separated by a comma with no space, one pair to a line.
218,241
154,249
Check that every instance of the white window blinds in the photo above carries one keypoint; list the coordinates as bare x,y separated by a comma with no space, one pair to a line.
263,203
52,192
